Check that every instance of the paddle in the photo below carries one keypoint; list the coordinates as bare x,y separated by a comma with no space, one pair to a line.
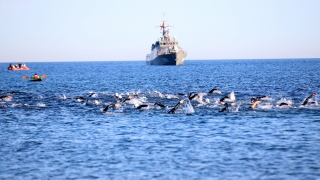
24,77
44,76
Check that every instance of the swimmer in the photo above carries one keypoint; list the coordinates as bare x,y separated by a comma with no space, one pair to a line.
110,105
308,98
264,97
159,104
258,98
93,94
80,98
255,102
127,99
6,98
192,96
201,102
170,96
200,97
134,94
230,98
172,110
3,97
144,106
215,90
225,108
36,76
283,104
254,99
159,94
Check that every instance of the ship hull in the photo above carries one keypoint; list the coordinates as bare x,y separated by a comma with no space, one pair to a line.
18,69
173,59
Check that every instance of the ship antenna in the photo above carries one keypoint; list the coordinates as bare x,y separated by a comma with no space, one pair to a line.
163,25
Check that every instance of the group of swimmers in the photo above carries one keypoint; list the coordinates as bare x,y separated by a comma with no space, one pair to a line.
225,101
257,100
139,106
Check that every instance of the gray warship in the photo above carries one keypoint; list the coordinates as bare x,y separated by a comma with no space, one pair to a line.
166,51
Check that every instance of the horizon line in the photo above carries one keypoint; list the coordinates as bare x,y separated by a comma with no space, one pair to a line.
145,60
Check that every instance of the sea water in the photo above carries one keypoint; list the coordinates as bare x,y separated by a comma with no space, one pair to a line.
47,132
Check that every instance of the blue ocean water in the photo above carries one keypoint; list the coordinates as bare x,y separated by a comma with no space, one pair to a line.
47,133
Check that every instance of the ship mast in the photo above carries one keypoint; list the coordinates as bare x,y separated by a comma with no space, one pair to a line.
163,27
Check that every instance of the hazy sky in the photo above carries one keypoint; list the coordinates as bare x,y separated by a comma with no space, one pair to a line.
97,30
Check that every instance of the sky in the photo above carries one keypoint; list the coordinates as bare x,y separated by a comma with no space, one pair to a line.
105,30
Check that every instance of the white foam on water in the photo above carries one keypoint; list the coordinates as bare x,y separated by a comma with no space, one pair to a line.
284,100
234,109
170,96
216,101
143,99
187,107
264,106
97,103
7,99
41,105
119,109
135,102
159,94
200,98
63,97
15,105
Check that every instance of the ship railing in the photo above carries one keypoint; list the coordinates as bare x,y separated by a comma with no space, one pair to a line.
170,43
162,52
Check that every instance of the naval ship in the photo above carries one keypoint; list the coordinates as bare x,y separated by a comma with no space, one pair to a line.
166,51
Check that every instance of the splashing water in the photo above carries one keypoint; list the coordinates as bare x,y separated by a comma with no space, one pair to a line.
265,106
63,96
41,105
136,102
97,103
234,109
237,108
188,108
232,96
119,110
170,96
284,100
